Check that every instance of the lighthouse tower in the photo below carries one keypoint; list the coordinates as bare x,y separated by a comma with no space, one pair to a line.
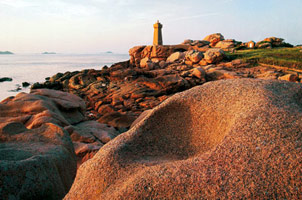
157,38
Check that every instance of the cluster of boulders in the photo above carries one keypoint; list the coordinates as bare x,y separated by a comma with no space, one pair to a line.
217,40
44,136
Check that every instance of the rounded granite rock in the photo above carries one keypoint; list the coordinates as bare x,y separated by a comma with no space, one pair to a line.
229,139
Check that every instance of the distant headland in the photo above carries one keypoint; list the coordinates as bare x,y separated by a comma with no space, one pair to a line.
6,52
49,52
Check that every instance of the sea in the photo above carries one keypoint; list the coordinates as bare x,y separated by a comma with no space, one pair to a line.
33,68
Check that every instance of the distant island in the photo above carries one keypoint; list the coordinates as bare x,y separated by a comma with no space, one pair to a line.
49,52
6,52
108,52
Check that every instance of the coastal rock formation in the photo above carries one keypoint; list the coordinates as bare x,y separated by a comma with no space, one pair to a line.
43,138
37,159
43,106
230,139
119,94
35,163
159,52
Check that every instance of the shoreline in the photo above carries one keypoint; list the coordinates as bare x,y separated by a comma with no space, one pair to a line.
35,67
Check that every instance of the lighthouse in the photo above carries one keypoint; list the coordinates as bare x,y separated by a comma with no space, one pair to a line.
157,38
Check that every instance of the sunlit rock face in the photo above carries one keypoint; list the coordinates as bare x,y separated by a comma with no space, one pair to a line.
229,139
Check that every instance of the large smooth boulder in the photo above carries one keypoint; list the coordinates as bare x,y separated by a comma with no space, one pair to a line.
230,139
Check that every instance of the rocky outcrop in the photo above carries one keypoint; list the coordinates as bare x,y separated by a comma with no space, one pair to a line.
155,53
119,94
43,106
232,139
35,163
43,138
37,155
116,96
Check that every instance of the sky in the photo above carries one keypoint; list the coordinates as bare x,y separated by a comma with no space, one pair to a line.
95,26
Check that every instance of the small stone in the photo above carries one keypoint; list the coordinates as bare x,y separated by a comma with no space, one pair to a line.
25,84
289,77
199,73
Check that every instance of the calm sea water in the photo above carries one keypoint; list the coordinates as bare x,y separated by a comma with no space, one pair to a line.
36,67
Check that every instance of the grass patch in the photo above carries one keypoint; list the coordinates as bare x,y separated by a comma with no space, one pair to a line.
284,57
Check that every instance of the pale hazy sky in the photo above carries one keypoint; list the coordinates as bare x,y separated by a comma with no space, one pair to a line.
92,26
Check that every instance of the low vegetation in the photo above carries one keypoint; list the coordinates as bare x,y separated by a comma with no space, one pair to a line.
284,57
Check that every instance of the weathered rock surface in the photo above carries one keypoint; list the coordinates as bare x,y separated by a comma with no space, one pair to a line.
231,139
37,159
43,106
119,94
35,163
43,138
116,96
